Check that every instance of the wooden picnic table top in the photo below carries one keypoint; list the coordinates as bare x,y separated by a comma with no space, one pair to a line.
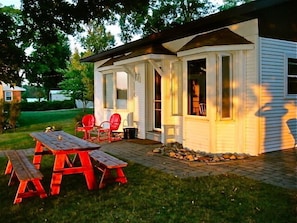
62,142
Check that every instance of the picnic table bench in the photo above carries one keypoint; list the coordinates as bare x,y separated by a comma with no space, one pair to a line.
106,163
20,167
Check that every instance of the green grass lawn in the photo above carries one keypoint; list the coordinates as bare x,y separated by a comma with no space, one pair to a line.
38,121
149,196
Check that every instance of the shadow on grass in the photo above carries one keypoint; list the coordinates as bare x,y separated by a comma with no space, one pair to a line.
151,196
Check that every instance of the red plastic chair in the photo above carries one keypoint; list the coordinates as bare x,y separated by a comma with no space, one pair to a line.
106,128
86,125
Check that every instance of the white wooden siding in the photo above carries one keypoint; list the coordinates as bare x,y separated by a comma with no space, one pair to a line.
140,100
98,95
251,101
226,134
197,132
277,110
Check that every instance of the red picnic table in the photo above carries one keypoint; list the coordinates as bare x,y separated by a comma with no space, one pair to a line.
61,145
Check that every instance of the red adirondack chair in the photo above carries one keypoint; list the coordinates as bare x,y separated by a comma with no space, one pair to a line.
86,125
106,128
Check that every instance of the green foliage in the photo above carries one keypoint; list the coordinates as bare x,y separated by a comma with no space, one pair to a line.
47,105
227,4
33,92
11,45
9,114
68,15
97,39
14,113
2,117
161,15
46,61
78,79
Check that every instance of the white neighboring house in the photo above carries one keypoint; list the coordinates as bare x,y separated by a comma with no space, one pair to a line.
57,95
239,64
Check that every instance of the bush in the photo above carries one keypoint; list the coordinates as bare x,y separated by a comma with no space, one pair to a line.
14,113
2,117
47,105
9,114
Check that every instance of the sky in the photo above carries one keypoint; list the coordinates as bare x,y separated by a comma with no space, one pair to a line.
115,30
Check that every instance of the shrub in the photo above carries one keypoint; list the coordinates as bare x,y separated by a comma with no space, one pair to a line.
2,118
14,113
47,105
9,114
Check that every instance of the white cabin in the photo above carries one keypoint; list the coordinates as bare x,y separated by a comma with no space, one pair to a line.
223,83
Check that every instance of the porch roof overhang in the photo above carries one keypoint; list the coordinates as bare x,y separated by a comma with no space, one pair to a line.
148,52
218,40
110,61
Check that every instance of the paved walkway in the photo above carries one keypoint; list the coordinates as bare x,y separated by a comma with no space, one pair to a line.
276,168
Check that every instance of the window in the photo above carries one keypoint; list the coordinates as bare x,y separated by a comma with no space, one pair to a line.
225,81
108,90
176,88
197,87
157,100
292,76
122,89
8,96
115,88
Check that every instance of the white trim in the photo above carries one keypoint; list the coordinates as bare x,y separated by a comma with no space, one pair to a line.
11,95
145,57
220,83
186,102
107,68
100,63
154,98
156,67
215,49
114,79
286,75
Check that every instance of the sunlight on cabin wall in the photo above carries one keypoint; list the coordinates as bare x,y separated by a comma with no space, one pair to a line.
274,114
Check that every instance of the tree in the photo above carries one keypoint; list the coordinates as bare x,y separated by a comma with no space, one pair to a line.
12,48
41,21
33,92
97,38
227,4
162,14
46,61
79,79
43,17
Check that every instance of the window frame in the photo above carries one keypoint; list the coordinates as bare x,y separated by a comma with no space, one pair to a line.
115,93
176,88
220,85
11,96
287,75
201,57
104,78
